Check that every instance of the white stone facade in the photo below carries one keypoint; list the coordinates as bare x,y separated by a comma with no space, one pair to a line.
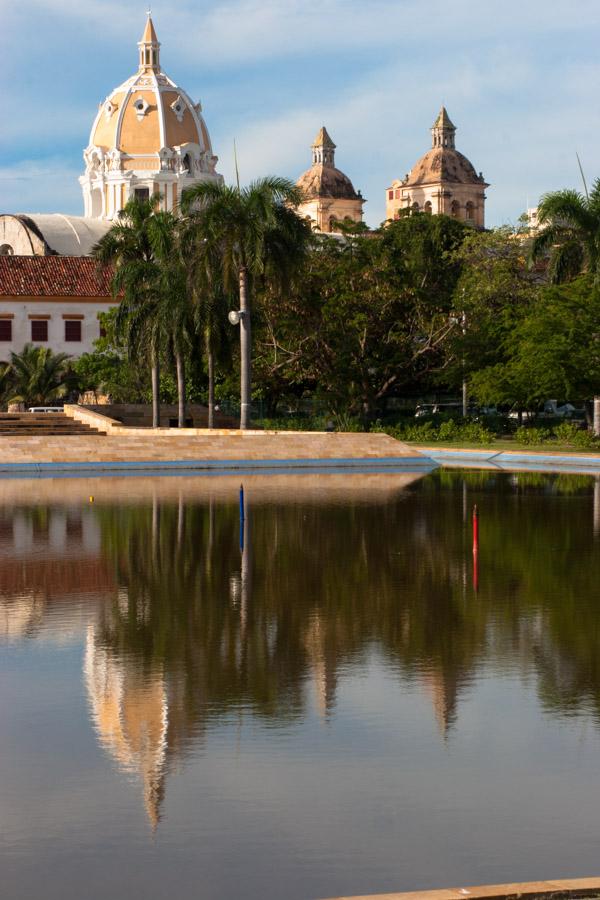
21,312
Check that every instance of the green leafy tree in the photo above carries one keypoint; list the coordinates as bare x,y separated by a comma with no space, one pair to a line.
571,236
258,237
368,317
552,351
495,291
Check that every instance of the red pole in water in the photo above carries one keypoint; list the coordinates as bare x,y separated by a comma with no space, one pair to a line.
475,548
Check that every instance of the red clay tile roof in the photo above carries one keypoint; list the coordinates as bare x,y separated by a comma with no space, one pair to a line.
52,276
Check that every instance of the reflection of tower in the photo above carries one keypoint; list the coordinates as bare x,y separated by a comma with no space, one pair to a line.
130,712
443,690
323,668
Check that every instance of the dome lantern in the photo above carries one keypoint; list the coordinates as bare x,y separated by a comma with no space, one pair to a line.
443,131
149,47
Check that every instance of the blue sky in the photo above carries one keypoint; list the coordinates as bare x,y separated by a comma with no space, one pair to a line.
519,79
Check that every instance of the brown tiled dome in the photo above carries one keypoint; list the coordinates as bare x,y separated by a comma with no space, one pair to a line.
326,181
443,164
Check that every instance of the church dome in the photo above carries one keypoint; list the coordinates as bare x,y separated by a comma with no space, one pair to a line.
323,179
326,181
146,126
443,164
148,112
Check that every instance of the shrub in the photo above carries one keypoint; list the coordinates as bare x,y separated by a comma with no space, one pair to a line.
586,440
566,432
450,430
527,435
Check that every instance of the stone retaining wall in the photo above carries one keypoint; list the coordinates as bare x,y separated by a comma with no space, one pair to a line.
562,889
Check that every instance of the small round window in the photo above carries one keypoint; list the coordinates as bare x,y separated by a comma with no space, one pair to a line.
6,250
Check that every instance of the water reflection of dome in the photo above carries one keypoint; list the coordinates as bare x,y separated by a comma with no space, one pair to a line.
130,711
20,615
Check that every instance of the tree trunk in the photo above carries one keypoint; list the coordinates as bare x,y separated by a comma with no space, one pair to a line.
155,390
180,365
245,351
211,384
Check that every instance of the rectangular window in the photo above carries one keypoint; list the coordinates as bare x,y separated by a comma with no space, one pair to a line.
5,330
397,195
390,195
39,330
142,193
72,330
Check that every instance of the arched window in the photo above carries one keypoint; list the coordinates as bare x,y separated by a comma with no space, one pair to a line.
415,207
470,212
455,209
332,221
6,250
186,165
428,208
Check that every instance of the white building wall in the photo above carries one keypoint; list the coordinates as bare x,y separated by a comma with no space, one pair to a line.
21,311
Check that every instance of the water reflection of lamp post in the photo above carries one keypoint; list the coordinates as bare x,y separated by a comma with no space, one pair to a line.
596,505
240,586
246,567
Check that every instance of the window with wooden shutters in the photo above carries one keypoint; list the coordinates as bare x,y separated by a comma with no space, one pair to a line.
72,330
5,330
39,330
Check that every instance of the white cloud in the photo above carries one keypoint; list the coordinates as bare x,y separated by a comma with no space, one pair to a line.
519,80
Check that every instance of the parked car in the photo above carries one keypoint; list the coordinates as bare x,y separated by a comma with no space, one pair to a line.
433,409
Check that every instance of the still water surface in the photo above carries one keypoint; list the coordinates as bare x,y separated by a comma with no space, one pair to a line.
348,705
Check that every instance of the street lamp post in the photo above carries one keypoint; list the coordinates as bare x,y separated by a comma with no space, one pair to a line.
241,317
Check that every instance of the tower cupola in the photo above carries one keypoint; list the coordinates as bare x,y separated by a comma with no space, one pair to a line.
149,48
323,149
443,131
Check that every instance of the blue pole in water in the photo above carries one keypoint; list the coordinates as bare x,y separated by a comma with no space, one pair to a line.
242,517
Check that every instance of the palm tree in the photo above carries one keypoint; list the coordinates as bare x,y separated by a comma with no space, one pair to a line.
39,376
140,248
6,383
256,234
209,300
572,233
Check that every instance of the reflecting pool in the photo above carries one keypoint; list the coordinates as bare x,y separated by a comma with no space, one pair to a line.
331,695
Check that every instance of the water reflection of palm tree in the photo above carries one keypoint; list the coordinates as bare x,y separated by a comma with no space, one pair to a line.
209,632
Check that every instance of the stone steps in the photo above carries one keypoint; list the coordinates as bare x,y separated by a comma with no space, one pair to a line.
46,424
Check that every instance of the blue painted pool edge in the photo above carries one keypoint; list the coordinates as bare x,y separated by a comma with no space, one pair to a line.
419,461
506,459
